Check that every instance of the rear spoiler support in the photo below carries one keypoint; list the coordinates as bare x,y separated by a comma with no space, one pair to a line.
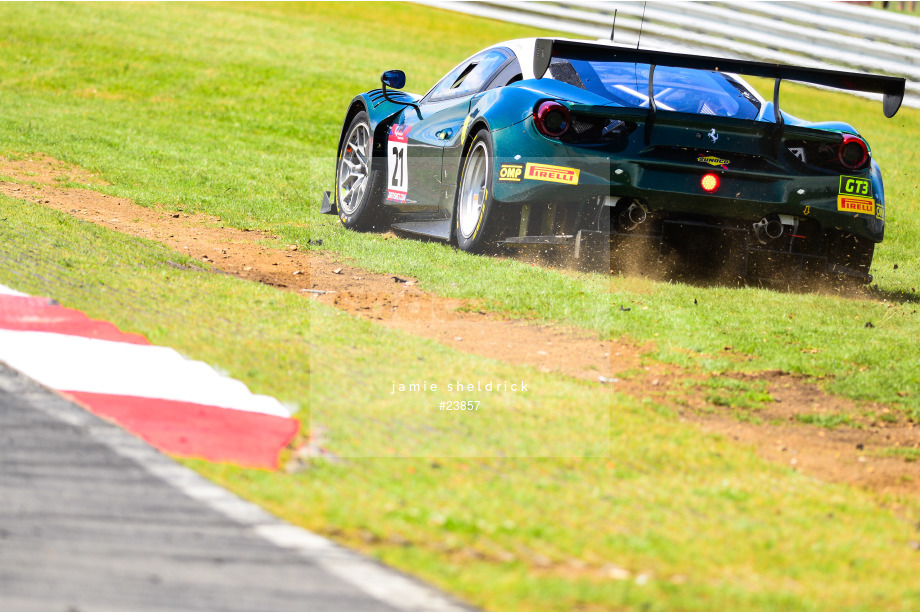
778,118
652,105
891,88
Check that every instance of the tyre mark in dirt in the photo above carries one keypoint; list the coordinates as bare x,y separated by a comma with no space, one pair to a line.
844,454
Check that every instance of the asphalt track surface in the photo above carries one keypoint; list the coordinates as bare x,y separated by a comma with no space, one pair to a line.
92,518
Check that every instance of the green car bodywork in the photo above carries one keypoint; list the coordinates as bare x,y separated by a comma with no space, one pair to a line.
619,175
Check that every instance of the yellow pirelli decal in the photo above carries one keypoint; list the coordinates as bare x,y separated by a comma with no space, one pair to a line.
855,204
548,172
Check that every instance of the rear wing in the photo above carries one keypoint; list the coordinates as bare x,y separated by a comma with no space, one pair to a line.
891,88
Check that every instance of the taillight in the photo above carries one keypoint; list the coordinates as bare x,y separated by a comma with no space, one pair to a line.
552,118
850,153
853,152
710,182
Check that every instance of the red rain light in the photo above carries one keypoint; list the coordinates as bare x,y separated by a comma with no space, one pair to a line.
710,182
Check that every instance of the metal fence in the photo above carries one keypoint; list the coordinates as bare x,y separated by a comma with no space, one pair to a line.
837,35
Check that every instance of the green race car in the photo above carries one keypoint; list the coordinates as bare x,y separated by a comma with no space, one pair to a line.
602,149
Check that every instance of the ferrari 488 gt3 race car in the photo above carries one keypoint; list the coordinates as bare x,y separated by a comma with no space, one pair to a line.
598,147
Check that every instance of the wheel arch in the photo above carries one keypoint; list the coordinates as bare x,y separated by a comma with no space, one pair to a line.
476,124
357,105
380,117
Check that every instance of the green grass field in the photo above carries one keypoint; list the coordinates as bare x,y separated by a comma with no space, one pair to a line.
234,110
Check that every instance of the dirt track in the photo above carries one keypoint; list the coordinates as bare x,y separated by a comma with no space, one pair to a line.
843,454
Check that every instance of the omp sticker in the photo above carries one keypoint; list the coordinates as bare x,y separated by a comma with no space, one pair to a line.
548,172
880,212
714,161
510,172
854,204
854,186
397,164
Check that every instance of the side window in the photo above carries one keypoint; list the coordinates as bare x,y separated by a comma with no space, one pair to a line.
471,76
508,75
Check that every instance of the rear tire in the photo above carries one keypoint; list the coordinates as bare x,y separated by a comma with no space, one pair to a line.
850,258
358,189
478,223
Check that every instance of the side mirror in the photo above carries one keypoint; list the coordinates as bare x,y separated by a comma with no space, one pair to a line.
395,79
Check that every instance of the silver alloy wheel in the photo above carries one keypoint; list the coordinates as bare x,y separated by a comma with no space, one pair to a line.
473,190
354,170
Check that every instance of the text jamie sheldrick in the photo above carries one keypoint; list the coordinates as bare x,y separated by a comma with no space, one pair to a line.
458,386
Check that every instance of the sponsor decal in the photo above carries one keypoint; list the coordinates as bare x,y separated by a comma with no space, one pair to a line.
400,133
712,160
880,212
398,164
855,204
464,128
396,197
548,172
798,152
855,196
713,135
510,172
855,186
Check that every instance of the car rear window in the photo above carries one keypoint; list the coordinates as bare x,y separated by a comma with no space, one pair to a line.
684,90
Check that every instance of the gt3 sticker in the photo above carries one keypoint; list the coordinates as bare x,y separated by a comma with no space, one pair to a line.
855,186
397,164
714,161
548,172
510,172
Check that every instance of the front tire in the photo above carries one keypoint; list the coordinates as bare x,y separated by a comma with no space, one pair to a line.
358,193
477,221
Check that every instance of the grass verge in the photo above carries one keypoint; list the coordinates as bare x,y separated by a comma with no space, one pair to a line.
240,121
671,518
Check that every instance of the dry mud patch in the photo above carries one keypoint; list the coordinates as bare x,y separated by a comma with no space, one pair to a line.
846,454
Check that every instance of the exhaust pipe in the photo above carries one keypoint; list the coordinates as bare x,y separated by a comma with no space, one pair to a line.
634,215
768,228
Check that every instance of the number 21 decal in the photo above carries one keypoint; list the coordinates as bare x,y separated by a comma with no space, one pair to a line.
398,171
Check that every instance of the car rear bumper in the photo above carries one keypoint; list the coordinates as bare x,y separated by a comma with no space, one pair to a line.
676,190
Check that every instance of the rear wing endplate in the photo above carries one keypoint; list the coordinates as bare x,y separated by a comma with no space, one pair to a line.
891,88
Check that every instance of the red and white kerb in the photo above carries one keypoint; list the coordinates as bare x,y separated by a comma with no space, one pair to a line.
183,407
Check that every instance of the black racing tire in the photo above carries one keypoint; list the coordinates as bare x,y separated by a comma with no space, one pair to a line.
479,222
358,190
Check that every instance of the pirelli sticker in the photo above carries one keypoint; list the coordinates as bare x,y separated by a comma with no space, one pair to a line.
855,204
510,172
548,172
